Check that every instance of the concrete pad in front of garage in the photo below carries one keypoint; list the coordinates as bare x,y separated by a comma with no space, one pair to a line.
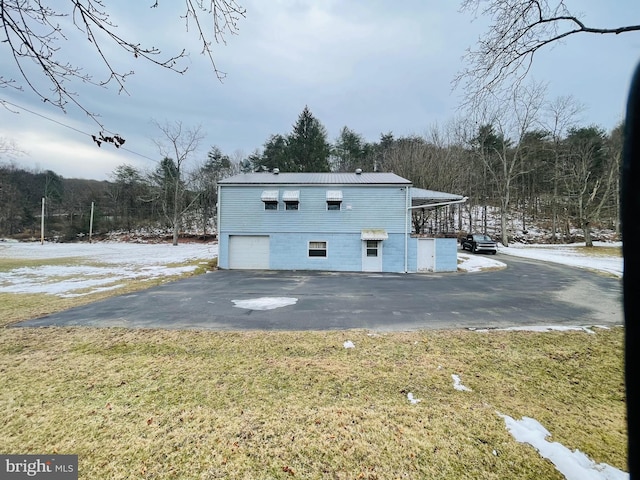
525,293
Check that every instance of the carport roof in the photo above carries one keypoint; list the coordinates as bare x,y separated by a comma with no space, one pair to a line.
270,178
420,196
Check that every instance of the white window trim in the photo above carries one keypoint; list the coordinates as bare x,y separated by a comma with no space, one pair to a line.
326,248
377,247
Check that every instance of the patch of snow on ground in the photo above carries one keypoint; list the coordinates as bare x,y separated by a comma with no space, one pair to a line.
265,303
111,252
573,465
548,328
458,385
95,267
478,262
570,254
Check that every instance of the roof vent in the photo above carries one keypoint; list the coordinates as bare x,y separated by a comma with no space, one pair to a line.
276,171
358,171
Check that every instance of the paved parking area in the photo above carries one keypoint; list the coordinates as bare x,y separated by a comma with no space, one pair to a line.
525,293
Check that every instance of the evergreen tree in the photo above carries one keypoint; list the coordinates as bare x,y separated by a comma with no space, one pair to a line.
277,155
218,164
251,163
350,151
378,152
127,189
205,182
307,144
167,181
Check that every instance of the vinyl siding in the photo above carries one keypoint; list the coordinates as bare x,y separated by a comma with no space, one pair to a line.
364,207
446,255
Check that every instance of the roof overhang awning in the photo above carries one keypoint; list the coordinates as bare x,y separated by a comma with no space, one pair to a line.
374,234
291,196
421,198
334,195
270,196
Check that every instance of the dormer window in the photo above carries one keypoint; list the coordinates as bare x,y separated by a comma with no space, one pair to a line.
270,199
291,199
334,199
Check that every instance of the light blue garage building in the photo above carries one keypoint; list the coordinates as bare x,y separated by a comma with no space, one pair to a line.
358,222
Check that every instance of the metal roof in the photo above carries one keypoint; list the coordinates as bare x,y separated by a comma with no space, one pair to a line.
422,197
422,194
268,178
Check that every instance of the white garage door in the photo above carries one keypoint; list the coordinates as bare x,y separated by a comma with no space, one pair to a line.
249,252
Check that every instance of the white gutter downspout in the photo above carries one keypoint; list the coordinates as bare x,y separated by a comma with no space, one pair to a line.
406,229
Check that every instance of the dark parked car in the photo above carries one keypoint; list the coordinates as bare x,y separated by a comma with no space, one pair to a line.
479,243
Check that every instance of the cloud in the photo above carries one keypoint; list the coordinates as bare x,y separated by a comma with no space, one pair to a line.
372,66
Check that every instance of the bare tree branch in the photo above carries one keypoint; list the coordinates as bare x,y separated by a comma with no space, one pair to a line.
31,32
518,30
9,148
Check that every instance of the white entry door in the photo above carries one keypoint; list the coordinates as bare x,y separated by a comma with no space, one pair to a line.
426,255
372,256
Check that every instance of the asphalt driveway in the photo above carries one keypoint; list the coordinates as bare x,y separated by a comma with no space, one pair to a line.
525,293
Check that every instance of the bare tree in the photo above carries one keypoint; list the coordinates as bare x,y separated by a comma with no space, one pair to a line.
176,147
8,148
561,116
616,141
589,176
35,33
498,144
518,30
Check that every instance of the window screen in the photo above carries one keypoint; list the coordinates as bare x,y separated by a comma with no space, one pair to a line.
317,249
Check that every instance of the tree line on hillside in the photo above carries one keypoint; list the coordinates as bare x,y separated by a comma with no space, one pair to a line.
506,153
563,177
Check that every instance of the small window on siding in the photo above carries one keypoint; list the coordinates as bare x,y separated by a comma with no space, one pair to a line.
270,199
372,248
291,199
334,199
317,249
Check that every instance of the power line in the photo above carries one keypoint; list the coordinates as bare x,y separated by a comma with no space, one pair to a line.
69,127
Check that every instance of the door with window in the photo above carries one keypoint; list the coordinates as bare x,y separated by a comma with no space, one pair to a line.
372,256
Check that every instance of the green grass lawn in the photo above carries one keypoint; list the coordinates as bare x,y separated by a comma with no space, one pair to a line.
202,405
154,404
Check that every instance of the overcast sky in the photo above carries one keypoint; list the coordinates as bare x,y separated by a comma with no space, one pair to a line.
374,66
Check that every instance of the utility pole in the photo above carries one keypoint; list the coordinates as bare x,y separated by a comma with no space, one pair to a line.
91,223
42,224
